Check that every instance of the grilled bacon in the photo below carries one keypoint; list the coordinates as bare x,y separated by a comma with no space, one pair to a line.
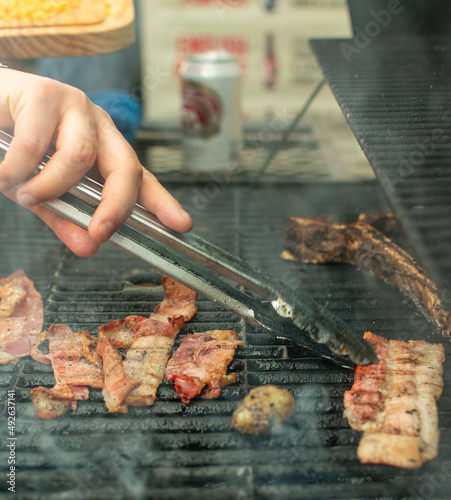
323,239
178,300
118,384
121,332
21,316
72,356
394,403
145,362
135,380
75,365
202,359
47,406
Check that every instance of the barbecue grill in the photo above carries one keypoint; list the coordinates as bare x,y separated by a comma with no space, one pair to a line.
170,450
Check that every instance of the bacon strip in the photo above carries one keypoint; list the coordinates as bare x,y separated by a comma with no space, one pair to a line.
145,361
72,356
47,406
394,403
121,332
135,380
322,239
21,316
178,300
202,359
118,384
75,365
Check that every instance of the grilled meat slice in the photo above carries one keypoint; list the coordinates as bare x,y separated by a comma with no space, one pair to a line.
135,380
148,355
121,332
321,240
145,362
118,385
394,403
47,406
12,292
178,300
73,359
21,316
202,359
263,409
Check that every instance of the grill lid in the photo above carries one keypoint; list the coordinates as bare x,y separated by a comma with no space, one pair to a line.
395,95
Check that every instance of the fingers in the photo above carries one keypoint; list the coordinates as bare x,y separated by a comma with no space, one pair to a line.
156,199
125,179
118,164
74,237
76,147
34,132
44,111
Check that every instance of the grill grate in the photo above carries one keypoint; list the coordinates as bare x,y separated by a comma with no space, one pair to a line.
396,97
171,451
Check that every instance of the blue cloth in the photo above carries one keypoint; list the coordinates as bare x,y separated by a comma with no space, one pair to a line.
125,110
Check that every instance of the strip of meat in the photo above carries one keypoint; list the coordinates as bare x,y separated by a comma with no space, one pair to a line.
21,316
147,357
394,403
73,359
178,300
320,240
121,332
47,406
202,359
75,365
12,292
118,384
150,341
145,361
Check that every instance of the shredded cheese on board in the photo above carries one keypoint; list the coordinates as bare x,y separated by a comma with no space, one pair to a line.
17,13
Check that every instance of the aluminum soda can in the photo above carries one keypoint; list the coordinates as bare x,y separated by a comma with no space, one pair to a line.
211,122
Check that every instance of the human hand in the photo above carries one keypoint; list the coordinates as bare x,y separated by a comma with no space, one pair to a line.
44,111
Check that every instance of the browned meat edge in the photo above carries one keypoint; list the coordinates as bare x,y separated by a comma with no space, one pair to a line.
322,240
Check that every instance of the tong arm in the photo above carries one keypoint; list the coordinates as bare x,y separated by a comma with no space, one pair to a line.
193,262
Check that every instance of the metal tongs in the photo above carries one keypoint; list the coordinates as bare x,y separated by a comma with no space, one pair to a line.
223,278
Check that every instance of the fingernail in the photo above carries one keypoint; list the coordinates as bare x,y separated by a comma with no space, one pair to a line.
106,230
26,200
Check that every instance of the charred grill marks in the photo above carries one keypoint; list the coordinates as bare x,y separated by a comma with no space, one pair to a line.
321,240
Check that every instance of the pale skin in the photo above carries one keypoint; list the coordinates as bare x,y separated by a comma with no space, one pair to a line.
43,111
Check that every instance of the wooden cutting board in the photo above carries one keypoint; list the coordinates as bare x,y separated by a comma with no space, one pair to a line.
52,13
87,30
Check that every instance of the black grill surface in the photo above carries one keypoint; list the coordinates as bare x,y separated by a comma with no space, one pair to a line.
396,96
172,451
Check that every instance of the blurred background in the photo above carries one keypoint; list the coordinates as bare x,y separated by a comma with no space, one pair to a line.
140,87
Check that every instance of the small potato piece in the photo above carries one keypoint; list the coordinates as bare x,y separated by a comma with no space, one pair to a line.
262,408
